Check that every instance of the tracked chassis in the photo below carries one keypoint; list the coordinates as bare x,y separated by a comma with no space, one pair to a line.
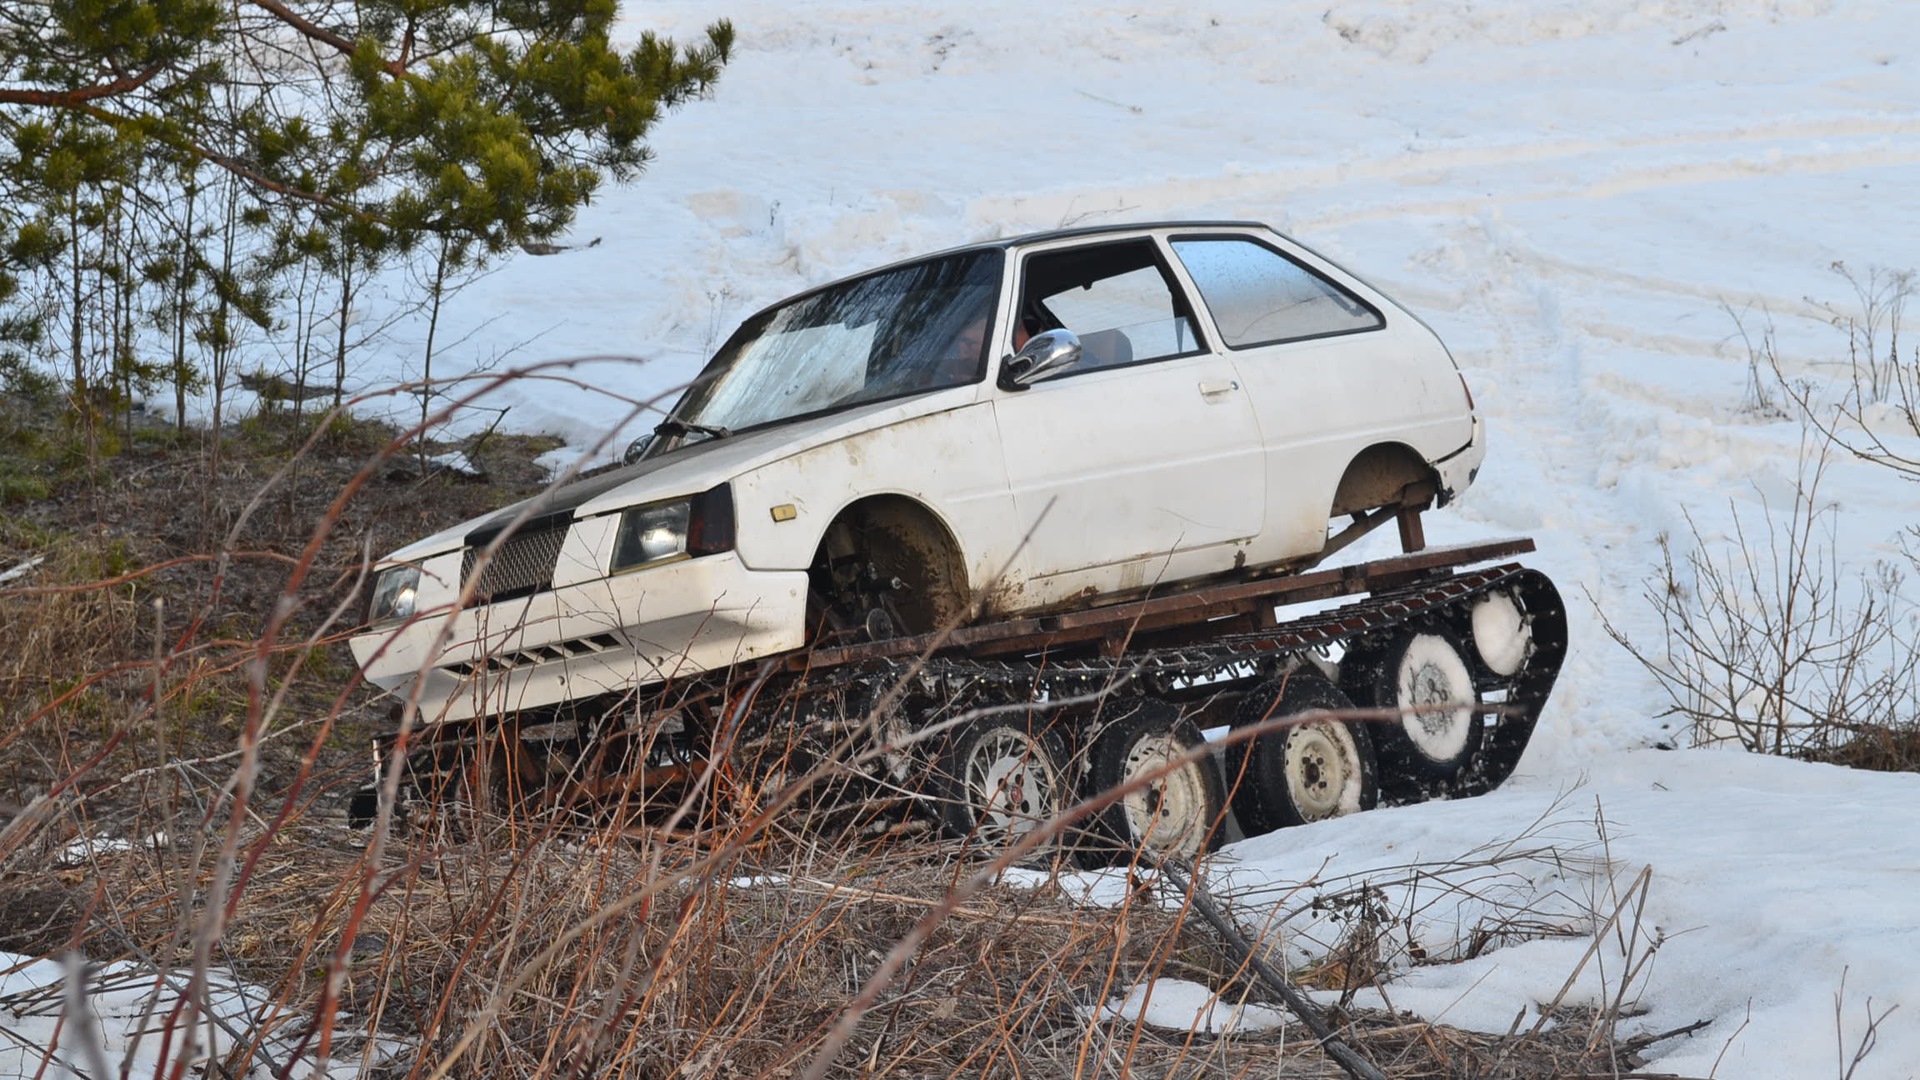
1412,677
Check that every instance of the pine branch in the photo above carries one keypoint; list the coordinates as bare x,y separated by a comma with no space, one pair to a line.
70,99
319,33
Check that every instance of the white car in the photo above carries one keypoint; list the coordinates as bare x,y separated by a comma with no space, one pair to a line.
1050,421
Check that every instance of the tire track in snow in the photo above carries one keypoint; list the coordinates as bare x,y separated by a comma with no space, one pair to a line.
1627,280
1633,181
1557,424
1429,165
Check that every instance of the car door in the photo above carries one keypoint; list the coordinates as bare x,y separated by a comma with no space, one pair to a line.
1142,463
1326,372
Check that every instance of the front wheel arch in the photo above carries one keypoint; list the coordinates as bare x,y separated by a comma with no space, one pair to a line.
880,539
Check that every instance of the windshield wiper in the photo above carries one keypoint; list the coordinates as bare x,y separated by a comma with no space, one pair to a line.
671,427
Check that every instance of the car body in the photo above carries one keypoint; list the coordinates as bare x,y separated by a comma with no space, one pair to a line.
1047,421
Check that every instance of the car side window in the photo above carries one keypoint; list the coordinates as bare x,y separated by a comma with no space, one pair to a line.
1118,299
1258,296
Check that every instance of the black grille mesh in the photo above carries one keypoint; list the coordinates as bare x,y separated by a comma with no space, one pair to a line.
523,565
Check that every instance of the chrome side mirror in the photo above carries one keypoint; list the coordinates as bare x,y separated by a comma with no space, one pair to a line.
637,449
1045,354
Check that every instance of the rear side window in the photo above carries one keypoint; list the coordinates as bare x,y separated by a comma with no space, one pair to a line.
1260,297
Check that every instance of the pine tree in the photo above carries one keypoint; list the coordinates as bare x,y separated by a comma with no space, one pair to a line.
355,132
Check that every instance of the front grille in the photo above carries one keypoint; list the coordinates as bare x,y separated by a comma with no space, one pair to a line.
522,566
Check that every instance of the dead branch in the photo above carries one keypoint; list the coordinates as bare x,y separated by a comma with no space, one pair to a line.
1297,1002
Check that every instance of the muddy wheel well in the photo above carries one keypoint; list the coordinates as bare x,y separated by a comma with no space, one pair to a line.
902,539
1378,476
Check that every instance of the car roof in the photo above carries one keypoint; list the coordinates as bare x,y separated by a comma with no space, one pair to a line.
1008,242
1085,230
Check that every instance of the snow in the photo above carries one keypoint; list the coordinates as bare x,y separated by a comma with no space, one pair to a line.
21,570
1769,883
1597,203
1180,1005
1500,633
130,1014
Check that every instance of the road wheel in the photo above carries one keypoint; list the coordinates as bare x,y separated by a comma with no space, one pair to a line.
1302,772
1178,814
1423,670
996,779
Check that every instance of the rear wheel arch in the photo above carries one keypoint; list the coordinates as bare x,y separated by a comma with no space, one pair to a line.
1378,476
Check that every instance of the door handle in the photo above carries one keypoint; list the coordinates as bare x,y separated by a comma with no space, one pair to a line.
1214,388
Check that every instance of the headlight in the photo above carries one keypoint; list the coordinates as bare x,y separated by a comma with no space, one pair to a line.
394,593
661,532
649,534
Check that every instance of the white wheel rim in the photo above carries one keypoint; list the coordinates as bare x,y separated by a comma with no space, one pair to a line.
1432,674
1170,815
1323,770
1009,786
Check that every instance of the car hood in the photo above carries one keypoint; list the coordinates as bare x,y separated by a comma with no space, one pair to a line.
688,470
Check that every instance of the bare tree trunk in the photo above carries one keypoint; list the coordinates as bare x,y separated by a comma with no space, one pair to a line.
184,279
340,341
426,372
73,313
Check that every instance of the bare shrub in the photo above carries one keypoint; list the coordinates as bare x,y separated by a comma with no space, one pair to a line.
1763,365
1767,642
1769,645
1555,879
1862,1045
1353,931
1877,413
1873,329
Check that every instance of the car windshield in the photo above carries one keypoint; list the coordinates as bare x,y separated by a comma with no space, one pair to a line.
902,331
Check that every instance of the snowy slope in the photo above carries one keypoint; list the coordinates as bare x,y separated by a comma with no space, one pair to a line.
1580,195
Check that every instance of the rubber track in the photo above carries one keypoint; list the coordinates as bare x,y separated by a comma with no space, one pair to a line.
824,699
1513,702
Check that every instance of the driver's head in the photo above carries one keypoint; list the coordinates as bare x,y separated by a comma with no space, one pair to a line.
968,343
959,360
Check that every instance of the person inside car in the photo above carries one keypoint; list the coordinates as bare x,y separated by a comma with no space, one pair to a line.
958,361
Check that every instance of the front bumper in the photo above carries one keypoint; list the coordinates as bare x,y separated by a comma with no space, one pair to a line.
578,641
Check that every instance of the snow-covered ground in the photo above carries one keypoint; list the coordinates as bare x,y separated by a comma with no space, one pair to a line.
1588,199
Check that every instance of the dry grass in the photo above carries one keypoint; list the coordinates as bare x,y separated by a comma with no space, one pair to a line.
1871,746
735,968
176,798
51,637
676,960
